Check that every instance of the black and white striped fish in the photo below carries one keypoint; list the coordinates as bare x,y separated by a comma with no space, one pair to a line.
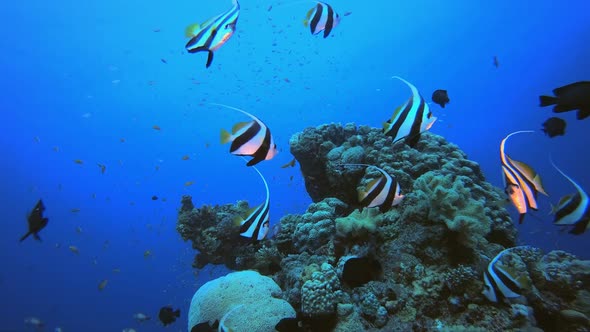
255,224
410,119
573,209
321,17
499,282
210,35
521,182
383,191
252,138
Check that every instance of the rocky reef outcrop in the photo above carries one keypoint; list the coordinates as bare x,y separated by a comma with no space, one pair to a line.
433,247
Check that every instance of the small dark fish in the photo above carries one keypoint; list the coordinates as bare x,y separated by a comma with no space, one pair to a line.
269,8
168,315
163,60
154,198
205,327
289,164
289,325
575,96
441,97
496,62
103,168
554,127
36,221
347,13
360,270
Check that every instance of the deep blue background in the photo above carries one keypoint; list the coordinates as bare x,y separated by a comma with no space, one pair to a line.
59,67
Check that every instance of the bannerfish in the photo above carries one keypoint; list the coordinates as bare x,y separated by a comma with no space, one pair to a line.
572,209
252,138
256,221
441,97
321,17
383,191
521,182
168,315
213,33
358,271
500,282
575,96
410,119
554,127
36,221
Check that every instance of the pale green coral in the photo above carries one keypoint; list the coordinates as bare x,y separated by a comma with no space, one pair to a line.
359,223
449,201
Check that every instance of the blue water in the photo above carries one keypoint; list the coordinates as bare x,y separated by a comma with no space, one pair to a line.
79,76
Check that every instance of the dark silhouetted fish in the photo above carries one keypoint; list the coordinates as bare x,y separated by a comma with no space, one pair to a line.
36,221
360,270
554,127
575,96
441,97
205,327
168,315
289,325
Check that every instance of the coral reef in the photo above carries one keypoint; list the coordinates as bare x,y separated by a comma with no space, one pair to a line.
433,247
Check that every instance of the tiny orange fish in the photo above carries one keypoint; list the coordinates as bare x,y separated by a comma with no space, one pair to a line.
56,148
156,127
188,183
122,140
289,164
75,210
185,157
79,161
157,167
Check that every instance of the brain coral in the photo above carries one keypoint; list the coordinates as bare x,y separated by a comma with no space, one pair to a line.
246,301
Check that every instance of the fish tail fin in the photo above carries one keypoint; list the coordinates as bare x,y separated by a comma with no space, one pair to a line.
25,236
547,100
37,237
225,136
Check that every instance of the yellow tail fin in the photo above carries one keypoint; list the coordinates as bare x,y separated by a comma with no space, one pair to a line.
225,136
192,30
